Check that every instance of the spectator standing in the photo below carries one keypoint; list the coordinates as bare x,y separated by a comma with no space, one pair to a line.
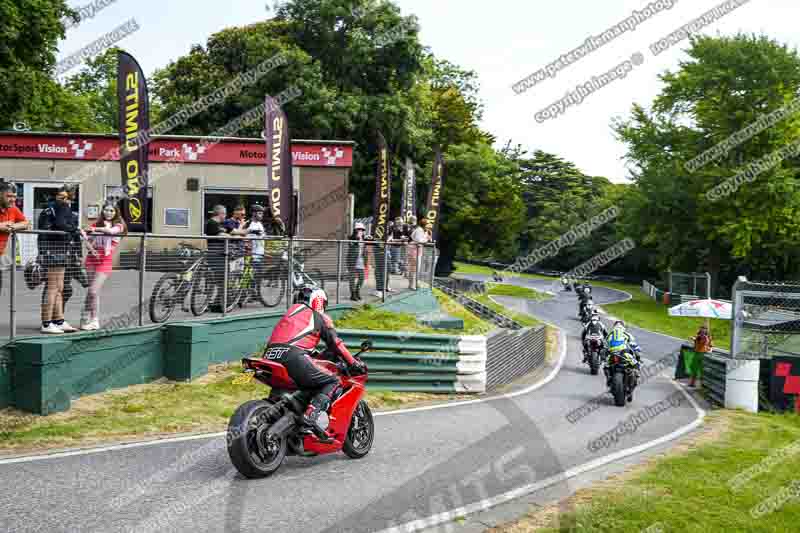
11,219
357,261
215,227
398,237
54,252
693,361
419,237
100,260
256,232
235,226
379,251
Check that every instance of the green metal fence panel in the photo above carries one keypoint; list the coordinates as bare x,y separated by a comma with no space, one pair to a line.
6,376
402,386
714,377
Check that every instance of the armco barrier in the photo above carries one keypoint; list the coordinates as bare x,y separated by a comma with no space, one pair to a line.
416,362
478,308
512,354
719,369
714,376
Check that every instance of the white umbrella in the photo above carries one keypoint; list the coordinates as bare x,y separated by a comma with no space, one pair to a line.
703,309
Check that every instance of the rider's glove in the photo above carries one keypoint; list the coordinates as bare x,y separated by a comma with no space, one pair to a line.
358,367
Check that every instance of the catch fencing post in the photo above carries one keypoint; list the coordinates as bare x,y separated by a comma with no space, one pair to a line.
13,287
142,268
418,260
290,285
384,253
433,263
708,285
338,270
225,281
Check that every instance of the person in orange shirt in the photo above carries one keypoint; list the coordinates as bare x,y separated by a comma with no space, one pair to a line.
702,344
11,218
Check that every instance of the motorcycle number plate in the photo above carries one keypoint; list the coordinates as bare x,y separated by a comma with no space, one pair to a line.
244,379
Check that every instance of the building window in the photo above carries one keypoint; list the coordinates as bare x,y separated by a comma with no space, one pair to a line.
233,197
178,217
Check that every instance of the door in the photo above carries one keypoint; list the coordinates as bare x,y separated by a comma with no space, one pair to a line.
36,197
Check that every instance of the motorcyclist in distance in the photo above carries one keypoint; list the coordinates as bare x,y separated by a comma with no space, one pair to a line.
584,296
595,326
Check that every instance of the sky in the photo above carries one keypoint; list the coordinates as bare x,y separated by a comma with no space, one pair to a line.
503,41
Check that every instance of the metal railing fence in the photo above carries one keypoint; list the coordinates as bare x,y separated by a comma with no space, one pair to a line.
103,281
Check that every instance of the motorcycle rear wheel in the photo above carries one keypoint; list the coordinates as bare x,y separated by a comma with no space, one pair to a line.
594,363
253,455
618,388
361,432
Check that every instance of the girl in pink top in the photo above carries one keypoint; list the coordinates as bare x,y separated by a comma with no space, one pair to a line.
100,259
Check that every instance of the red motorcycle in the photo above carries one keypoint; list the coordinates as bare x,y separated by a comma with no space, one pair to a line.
594,353
261,433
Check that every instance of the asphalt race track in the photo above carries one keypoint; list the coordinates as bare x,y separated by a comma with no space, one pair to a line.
424,462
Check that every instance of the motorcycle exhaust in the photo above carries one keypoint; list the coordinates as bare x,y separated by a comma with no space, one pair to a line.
282,427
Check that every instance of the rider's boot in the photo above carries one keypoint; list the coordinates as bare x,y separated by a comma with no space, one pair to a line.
316,416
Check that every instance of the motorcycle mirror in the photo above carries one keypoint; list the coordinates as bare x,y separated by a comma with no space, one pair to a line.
366,346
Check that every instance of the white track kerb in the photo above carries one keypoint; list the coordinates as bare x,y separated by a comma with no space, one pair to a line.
476,507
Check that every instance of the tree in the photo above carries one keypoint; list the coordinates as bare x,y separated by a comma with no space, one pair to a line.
97,82
727,84
29,36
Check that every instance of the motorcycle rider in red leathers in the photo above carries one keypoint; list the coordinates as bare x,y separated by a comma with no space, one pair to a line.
292,340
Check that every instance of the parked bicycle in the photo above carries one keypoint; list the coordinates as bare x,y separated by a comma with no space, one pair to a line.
273,284
173,289
248,283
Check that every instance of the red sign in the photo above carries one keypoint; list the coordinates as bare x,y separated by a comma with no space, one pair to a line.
199,150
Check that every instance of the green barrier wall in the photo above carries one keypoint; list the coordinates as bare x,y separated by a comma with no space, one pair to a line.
408,362
6,372
42,374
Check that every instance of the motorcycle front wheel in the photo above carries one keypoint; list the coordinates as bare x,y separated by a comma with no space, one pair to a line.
252,452
361,433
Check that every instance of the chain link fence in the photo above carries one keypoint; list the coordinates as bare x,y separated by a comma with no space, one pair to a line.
766,319
689,285
110,282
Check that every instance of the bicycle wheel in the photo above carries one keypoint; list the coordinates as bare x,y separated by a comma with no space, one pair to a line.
271,288
235,290
202,292
164,298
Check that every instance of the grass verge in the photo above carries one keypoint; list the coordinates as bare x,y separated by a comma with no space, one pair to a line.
689,488
524,319
645,313
155,410
505,289
465,268
377,319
